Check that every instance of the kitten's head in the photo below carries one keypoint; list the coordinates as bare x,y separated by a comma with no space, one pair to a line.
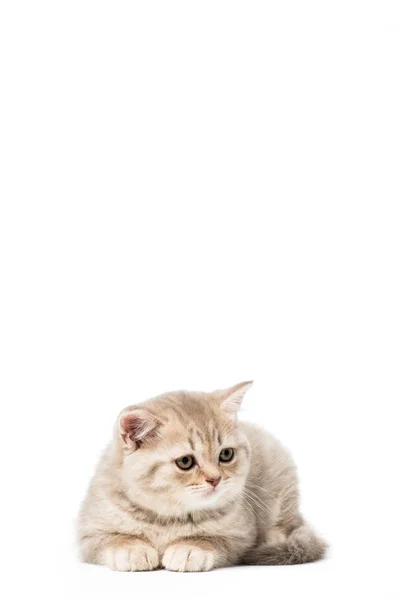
183,451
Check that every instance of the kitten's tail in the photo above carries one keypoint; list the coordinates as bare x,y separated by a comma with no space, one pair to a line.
301,546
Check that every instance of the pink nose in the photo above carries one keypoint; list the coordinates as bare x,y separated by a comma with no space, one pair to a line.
214,482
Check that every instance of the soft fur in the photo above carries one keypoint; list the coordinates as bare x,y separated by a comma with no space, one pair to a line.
143,512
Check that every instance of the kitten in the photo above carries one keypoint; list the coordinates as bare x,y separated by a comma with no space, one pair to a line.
184,486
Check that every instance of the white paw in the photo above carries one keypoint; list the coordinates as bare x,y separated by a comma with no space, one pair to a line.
137,557
185,557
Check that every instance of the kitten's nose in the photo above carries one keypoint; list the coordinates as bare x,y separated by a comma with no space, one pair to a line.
214,481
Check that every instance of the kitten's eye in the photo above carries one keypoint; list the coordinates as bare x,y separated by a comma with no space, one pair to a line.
226,455
185,462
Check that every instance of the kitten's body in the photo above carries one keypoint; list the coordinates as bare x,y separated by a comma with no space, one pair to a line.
142,512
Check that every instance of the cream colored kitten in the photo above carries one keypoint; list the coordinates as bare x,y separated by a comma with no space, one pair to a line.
184,486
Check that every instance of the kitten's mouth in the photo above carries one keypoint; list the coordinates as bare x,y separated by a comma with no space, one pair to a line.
210,491
206,493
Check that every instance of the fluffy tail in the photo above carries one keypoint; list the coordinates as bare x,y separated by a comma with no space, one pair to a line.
301,546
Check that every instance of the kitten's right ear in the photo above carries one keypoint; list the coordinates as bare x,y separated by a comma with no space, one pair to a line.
137,425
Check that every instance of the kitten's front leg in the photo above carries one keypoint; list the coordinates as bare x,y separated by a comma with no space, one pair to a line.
193,554
123,553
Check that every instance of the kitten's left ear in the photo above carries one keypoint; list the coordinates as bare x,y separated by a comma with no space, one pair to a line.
232,398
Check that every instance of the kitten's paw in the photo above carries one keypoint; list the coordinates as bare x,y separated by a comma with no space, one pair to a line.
188,557
137,556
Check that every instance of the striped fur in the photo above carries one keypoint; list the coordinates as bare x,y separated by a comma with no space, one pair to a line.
142,512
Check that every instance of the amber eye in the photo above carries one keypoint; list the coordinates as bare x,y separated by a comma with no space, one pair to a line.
226,455
185,462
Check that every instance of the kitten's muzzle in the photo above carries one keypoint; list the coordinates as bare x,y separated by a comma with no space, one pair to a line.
214,481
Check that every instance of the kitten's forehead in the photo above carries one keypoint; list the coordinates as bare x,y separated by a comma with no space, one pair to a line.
192,417
185,406
197,433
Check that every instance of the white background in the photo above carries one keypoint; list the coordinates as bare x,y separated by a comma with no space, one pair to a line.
193,194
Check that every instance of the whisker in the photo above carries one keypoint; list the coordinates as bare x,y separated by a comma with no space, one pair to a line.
282,499
258,503
253,510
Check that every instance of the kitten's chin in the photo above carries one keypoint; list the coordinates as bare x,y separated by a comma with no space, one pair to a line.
204,501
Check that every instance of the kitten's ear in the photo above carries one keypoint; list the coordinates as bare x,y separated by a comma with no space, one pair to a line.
137,425
232,398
